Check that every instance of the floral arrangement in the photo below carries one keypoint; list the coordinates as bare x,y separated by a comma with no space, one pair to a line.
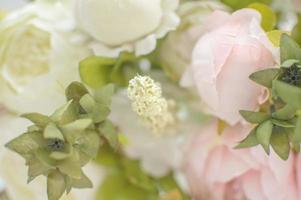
151,100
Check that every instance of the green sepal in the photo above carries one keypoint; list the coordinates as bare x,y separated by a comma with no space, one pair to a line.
263,134
282,123
89,144
109,132
26,143
95,71
43,155
36,168
265,77
75,129
55,185
104,94
83,182
288,93
75,91
65,114
38,119
98,112
254,117
58,155
296,137
280,143
71,166
87,102
289,49
285,113
52,132
249,141
289,63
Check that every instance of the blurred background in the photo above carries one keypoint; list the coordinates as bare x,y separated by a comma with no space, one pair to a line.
11,4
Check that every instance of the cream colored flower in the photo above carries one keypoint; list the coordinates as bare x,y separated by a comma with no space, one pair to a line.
39,56
148,103
125,25
158,154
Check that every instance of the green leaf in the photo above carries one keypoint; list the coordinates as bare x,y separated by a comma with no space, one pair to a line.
282,123
268,17
108,131
95,71
107,156
136,175
265,77
288,93
296,138
254,117
116,186
280,143
104,94
38,119
275,37
55,185
75,91
26,143
52,132
249,141
238,4
296,33
285,113
263,134
289,49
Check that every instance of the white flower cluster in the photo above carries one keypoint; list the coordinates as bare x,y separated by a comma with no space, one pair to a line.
148,103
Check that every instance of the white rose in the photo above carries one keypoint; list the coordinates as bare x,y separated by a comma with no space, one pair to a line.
38,57
125,25
175,50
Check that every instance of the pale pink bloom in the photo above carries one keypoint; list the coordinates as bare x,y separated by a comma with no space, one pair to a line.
216,171
233,47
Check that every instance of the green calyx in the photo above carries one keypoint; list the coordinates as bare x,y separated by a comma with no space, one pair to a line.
280,125
59,145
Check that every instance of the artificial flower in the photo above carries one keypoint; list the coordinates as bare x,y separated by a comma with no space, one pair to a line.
175,50
39,56
127,25
158,153
217,171
14,177
233,47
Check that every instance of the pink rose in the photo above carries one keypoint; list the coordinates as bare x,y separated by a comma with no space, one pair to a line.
216,171
233,47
